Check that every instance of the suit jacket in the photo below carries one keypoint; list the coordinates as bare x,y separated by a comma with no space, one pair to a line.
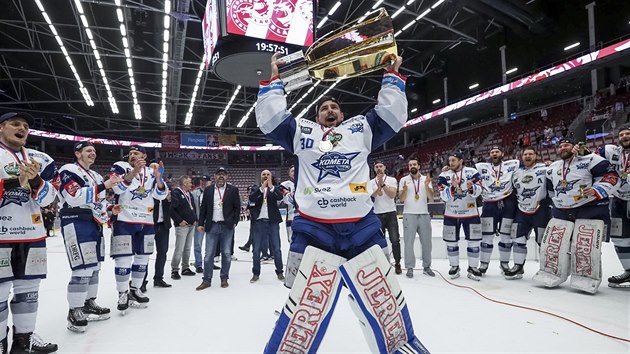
231,207
273,197
181,209
166,212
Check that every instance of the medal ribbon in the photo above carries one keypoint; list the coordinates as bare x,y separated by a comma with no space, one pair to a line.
88,173
625,161
143,177
264,195
565,171
15,156
497,173
187,196
416,187
221,196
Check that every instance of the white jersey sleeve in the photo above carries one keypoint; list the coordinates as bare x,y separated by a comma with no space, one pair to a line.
620,161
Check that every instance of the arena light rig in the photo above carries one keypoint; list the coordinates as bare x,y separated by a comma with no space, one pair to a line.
195,89
166,37
99,63
132,81
227,107
84,91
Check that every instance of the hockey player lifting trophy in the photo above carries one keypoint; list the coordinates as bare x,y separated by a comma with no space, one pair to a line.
336,235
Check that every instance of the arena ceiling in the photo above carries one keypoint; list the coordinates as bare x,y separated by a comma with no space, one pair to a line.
459,39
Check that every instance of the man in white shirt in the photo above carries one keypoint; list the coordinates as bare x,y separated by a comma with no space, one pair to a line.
415,191
384,190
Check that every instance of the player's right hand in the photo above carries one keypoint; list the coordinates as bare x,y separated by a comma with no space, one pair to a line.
139,165
274,65
112,181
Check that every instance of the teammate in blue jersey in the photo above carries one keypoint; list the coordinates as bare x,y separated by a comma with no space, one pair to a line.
619,158
83,212
530,186
336,234
27,183
499,207
133,232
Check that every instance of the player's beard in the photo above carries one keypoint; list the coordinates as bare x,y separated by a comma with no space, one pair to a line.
413,171
496,160
566,155
625,144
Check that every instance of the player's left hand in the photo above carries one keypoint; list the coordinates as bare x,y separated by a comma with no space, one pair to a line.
395,65
116,209
469,184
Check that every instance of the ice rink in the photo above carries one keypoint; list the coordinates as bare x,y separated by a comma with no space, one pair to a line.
240,318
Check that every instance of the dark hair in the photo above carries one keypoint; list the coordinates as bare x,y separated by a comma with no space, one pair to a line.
413,158
377,162
624,127
327,98
529,147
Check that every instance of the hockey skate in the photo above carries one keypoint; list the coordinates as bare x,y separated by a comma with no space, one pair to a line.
474,273
483,268
137,299
28,343
76,320
454,272
123,302
94,312
515,272
505,267
620,281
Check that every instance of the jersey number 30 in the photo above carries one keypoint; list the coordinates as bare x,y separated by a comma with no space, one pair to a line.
306,143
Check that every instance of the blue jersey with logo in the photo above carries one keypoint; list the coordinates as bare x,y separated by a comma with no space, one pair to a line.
331,186
567,179
136,198
20,213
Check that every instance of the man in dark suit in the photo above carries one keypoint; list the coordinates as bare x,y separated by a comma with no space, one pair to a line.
162,219
266,219
219,214
184,216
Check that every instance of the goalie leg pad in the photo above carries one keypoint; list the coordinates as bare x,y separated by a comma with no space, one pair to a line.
554,253
306,314
586,248
377,300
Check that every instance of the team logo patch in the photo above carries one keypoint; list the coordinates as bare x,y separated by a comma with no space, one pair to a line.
17,196
333,163
281,18
4,262
36,218
528,193
356,128
358,187
563,189
582,165
306,130
136,194
494,188
150,210
528,179
471,205
243,12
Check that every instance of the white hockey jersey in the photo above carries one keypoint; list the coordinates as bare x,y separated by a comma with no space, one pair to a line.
288,188
20,209
331,186
83,189
496,180
136,198
458,200
567,178
620,160
530,186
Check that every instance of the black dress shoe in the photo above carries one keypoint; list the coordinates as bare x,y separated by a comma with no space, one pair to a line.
215,267
199,270
187,271
161,284
175,275
243,248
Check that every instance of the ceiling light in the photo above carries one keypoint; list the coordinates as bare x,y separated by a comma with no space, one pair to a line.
377,4
398,12
423,14
334,8
437,100
572,46
511,71
473,86
414,110
321,23
437,4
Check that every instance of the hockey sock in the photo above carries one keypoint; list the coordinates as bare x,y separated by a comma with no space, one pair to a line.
93,285
486,247
78,287
452,249
122,269
520,250
139,269
622,247
505,248
24,304
472,251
